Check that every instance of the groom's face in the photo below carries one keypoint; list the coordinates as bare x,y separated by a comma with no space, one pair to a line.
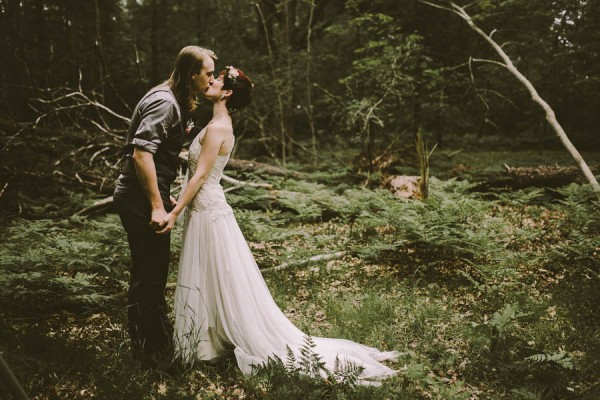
202,80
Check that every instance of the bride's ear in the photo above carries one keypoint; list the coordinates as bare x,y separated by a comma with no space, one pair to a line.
227,94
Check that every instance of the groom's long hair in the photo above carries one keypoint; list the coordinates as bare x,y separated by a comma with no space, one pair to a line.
189,61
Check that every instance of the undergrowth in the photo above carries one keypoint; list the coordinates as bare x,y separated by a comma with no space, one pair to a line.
489,297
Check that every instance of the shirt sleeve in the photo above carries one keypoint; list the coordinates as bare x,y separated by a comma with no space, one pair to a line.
158,115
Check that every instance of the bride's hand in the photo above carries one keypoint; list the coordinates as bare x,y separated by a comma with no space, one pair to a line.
169,223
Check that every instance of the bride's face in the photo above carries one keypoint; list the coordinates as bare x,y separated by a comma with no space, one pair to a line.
215,91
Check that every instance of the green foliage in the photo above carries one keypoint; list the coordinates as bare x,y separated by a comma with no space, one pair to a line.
493,296
360,318
385,75
304,376
560,358
48,264
504,347
580,229
450,225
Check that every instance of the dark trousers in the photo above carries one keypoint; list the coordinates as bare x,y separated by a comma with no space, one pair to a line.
149,327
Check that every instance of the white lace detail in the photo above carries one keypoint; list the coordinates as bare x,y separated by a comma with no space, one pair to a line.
210,198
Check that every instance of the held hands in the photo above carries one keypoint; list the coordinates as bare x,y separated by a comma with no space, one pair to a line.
160,221
165,222
157,219
168,223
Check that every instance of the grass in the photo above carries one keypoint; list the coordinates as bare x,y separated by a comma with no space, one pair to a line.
510,314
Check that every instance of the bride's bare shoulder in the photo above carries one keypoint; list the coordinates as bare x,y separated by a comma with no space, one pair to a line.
221,132
220,128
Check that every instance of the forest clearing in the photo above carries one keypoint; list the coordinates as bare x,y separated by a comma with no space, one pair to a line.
488,295
414,176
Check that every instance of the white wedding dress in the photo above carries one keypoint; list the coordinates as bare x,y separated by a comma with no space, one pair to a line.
223,303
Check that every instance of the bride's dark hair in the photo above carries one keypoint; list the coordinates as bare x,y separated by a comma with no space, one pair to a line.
189,62
240,84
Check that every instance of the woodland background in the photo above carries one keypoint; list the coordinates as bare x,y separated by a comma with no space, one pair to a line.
320,67
489,287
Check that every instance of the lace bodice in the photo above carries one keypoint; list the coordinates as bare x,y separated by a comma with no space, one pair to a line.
210,197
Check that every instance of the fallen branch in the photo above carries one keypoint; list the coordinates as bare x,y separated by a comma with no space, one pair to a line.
95,206
3,189
244,165
103,203
14,387
295,264
253,166
236,182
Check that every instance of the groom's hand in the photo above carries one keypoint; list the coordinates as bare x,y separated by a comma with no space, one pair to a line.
157,219
169,223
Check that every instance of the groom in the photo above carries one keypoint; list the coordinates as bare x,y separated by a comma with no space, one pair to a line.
142,196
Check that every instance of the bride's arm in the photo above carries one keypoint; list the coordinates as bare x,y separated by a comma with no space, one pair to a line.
211,145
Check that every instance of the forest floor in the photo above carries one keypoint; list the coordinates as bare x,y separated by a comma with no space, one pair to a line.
489,295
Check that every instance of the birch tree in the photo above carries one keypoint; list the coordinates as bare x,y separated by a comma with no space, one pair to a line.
509,65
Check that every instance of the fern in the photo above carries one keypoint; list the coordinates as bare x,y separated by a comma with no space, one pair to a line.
310,362
304,376
61,262
291,364
346,373
450,225
560,358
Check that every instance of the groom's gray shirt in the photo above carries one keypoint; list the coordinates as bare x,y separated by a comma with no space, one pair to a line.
157,127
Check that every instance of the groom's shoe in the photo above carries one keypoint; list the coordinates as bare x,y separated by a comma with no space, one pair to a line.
153,358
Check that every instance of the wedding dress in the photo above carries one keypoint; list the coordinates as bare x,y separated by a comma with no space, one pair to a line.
223,303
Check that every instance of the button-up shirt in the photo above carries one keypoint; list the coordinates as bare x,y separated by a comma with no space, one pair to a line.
157,126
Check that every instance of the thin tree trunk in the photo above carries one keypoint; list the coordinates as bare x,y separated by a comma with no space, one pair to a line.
550,115
309,106
280,106
154,44
103,67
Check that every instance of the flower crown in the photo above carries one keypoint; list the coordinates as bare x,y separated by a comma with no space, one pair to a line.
232,74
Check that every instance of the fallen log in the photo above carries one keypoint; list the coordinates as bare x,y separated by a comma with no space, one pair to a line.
523,177
238,183
545,175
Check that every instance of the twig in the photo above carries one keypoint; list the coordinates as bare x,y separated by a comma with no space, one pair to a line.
484,60
14,387
14,136
3,189
98,153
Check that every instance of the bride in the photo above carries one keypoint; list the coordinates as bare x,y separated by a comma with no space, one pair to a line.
221,299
